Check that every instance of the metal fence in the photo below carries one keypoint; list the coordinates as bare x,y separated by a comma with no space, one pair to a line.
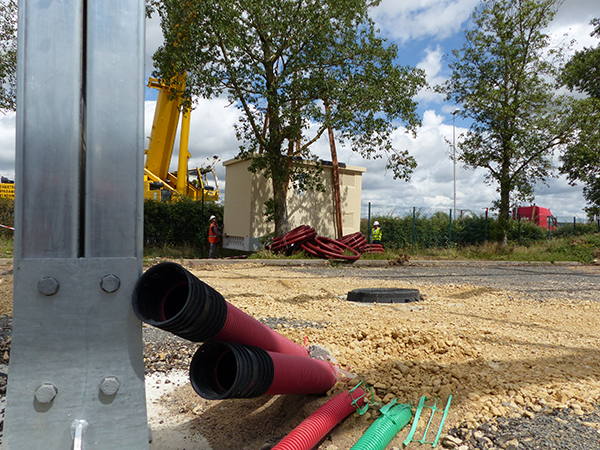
427,228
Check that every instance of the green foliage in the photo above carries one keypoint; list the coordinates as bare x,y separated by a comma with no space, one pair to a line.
581,72
502,77
581,161
577,229
179,223
7,217
8,55
584,248
429,232
287,64
472,230
434,232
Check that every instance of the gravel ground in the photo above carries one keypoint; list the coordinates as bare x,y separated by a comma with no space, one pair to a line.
536,425
534,280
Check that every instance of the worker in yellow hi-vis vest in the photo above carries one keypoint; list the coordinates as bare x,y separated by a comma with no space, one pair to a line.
376,233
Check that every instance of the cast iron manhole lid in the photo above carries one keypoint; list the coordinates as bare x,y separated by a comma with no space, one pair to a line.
382,295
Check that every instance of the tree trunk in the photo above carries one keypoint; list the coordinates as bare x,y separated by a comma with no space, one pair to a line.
335,172
337,195
280,205
280,180
504,216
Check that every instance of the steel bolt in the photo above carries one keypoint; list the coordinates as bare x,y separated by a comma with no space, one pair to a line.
110,385
45,393
110,283
48,286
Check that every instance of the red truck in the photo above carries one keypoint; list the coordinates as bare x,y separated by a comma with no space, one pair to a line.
536,214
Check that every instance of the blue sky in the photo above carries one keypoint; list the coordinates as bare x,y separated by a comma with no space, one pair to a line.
425,31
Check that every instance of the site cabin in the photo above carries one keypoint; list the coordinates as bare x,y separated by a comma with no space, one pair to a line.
243,216
538,215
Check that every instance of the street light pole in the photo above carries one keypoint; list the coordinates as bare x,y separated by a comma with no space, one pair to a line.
454,113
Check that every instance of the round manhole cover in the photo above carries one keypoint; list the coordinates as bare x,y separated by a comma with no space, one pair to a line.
380,295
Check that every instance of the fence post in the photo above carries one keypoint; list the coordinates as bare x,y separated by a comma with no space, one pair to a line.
574,228
519,228
413,229
204,231
486,225
369,223
450,230
76,361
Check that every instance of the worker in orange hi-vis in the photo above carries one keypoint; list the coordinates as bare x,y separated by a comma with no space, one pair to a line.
214,236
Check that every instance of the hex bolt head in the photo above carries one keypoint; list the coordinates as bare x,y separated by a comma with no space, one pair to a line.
109,385
110,283
45,393
48,286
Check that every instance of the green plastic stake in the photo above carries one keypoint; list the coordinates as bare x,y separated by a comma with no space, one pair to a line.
413,428
437,438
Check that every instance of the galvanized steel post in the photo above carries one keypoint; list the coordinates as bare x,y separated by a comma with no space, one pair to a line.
76,368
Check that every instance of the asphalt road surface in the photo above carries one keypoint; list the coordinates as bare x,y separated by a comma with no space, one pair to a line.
535,280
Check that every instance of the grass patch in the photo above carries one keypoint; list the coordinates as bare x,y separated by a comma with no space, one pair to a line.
268,254
186,251
6,247
583,248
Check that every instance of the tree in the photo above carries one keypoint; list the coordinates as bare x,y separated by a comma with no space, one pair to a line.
581,161
280,62
503,77
8,55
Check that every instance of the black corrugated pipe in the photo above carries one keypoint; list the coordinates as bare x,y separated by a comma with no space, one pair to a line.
222,370
169,297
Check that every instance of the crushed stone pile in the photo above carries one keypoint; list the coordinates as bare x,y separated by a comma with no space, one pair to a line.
524,372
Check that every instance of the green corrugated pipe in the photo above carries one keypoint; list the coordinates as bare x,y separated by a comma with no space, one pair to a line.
383,430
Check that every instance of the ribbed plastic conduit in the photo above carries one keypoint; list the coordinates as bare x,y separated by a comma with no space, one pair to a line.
314,428
171,298
244,329
221,370
383,430
295,375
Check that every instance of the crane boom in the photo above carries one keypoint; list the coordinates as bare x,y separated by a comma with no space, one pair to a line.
159,183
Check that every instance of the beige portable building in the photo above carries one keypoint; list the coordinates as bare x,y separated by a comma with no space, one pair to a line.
246,193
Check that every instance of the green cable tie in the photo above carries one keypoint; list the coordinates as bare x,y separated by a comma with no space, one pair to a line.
364,409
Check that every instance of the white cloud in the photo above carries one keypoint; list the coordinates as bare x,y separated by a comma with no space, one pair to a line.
418,19
432,64
7,144
154,39
211,132
431,187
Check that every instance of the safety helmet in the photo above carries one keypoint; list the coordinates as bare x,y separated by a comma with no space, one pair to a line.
212,217
375,224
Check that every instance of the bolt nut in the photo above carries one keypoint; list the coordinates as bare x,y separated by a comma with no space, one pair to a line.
109,385
48,286
45,393
110,283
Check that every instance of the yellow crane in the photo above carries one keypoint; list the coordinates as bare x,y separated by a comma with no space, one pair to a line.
159,183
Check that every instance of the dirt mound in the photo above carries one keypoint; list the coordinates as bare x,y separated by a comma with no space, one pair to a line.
506,358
